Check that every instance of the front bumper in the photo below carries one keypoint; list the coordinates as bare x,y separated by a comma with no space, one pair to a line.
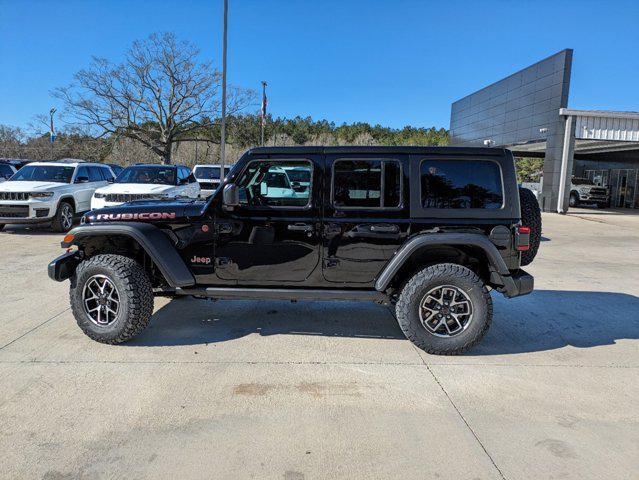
593,198
63,267
26,211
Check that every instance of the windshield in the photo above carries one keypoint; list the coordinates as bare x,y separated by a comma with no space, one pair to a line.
44,173
582,181
155,175
209,173
299,175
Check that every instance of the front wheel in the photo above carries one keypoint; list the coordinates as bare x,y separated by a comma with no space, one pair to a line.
574,200
111,298
445,309
63,220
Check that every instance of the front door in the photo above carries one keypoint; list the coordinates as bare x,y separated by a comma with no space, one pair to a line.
365,217
273,237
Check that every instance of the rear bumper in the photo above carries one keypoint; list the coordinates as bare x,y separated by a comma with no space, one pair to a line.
63,267
518,284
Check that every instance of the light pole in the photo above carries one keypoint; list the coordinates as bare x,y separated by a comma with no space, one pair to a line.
51,131
223,126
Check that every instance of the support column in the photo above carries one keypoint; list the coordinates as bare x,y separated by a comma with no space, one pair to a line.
565,161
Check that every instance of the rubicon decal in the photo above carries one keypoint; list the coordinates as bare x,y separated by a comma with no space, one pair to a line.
136,216
204,260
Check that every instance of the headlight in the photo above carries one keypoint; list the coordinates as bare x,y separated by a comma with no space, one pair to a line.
98,195
41,194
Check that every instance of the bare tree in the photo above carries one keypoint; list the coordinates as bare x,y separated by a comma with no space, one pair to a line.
161,94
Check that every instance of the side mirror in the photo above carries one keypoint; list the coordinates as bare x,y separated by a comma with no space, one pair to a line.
231,195
184,181
82,179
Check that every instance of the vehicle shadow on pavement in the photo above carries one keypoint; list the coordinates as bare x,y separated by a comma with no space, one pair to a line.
552,319
188,321
543,320
39,230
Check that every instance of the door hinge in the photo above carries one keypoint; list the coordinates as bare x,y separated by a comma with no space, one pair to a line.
331,262
222,262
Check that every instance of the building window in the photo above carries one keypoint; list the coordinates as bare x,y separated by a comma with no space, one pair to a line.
367,184
461,184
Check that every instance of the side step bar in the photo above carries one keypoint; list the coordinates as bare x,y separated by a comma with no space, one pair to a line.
225,293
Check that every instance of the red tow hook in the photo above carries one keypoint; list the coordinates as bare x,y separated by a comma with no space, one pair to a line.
523,239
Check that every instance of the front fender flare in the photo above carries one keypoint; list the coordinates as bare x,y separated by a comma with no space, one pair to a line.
154,242
441,239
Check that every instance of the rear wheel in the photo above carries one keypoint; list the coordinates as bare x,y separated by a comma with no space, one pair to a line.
63,220
531,218
445,309
111,298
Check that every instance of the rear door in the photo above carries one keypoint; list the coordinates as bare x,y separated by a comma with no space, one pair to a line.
273,237
365,216
84,188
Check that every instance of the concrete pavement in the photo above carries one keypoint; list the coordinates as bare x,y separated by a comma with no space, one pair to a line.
330,390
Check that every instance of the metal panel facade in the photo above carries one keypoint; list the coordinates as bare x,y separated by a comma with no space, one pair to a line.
515,109
523,107
607,128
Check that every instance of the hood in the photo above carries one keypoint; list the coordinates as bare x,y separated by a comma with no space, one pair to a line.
30,186
139,188
168,210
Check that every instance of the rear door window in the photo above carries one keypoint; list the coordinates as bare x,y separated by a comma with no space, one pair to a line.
461,184
366,184
95,175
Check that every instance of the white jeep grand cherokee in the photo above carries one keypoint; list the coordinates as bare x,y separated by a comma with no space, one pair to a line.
145,182
51,192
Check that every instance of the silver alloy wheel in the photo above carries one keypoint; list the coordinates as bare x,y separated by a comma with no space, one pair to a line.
66,216
101,300
445,311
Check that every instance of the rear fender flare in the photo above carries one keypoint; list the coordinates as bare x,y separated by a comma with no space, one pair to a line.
440,239
155,243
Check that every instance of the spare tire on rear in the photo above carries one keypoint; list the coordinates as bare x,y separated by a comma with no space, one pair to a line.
531,218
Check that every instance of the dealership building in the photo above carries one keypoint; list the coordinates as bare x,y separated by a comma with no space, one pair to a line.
527,112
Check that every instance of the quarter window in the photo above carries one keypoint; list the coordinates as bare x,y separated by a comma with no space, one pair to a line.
276,184
367,184
461,184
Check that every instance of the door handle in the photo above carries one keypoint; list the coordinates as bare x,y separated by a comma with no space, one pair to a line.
384,228
300,227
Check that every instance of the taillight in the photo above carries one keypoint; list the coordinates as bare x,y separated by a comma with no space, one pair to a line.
523,239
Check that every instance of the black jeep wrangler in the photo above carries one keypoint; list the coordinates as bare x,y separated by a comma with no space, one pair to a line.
428,230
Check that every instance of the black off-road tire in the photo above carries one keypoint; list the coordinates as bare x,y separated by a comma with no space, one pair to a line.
530,217
410,298
58,223
134,290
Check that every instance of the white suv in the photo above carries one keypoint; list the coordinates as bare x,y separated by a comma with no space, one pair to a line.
54,192
147,182
208,176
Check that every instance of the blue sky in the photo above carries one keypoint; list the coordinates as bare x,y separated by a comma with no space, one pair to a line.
390,62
